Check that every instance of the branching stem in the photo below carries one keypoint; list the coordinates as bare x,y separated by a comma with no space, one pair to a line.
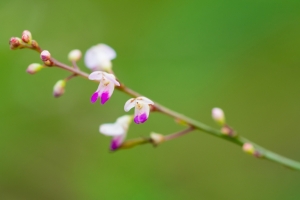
193,124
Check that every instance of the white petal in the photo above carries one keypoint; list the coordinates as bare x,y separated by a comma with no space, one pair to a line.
146,100
129,104
97,75
97,56
107,51
145,109
110,87
124,121
92,58
112,78
112,129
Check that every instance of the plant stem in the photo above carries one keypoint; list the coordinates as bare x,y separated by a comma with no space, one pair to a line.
178,134
239,140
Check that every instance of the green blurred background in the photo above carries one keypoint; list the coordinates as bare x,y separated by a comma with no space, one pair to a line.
191,56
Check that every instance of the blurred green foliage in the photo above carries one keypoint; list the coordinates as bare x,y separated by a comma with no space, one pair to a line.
191,56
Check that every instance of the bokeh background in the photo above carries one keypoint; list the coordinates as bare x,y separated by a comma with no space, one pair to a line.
191,56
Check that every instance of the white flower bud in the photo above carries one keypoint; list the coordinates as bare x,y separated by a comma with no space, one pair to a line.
59,88
74,55
218,115
157,138
34,68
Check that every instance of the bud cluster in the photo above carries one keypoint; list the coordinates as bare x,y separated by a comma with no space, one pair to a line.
25,41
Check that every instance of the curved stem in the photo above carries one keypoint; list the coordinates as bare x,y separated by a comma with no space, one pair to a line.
239,140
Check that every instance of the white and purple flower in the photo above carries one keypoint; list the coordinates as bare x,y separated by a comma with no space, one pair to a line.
106,86
117,130
142,108
99,57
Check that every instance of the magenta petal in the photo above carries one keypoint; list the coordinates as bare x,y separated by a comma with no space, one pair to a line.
114,145
94,97
116,142
104,97
143,117
136,119
140,118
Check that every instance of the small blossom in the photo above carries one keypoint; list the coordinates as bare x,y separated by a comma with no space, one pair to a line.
106,86
142,108
15,42
45,55
157,138
74,55
34,68
99,57
59,88
218,115
117,130
26,36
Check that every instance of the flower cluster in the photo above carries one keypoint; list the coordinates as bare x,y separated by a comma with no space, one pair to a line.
98,59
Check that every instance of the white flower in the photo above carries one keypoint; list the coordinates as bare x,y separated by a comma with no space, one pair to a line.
106,86
142,108
118,130
99,57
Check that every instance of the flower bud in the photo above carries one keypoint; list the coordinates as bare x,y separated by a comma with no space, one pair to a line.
26,36
34,44
48,63
15,42
45,55
218,115
157,138
33,68
248,148
74,55
59,88
227,130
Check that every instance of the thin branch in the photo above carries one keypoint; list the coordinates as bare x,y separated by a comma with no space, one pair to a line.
178,134
144,140
239,140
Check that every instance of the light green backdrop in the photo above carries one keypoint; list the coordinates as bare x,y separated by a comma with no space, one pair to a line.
191,56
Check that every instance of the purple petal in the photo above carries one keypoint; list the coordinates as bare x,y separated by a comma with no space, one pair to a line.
114,145
116,142
143,117
136,119
140,118
94,97
104,97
